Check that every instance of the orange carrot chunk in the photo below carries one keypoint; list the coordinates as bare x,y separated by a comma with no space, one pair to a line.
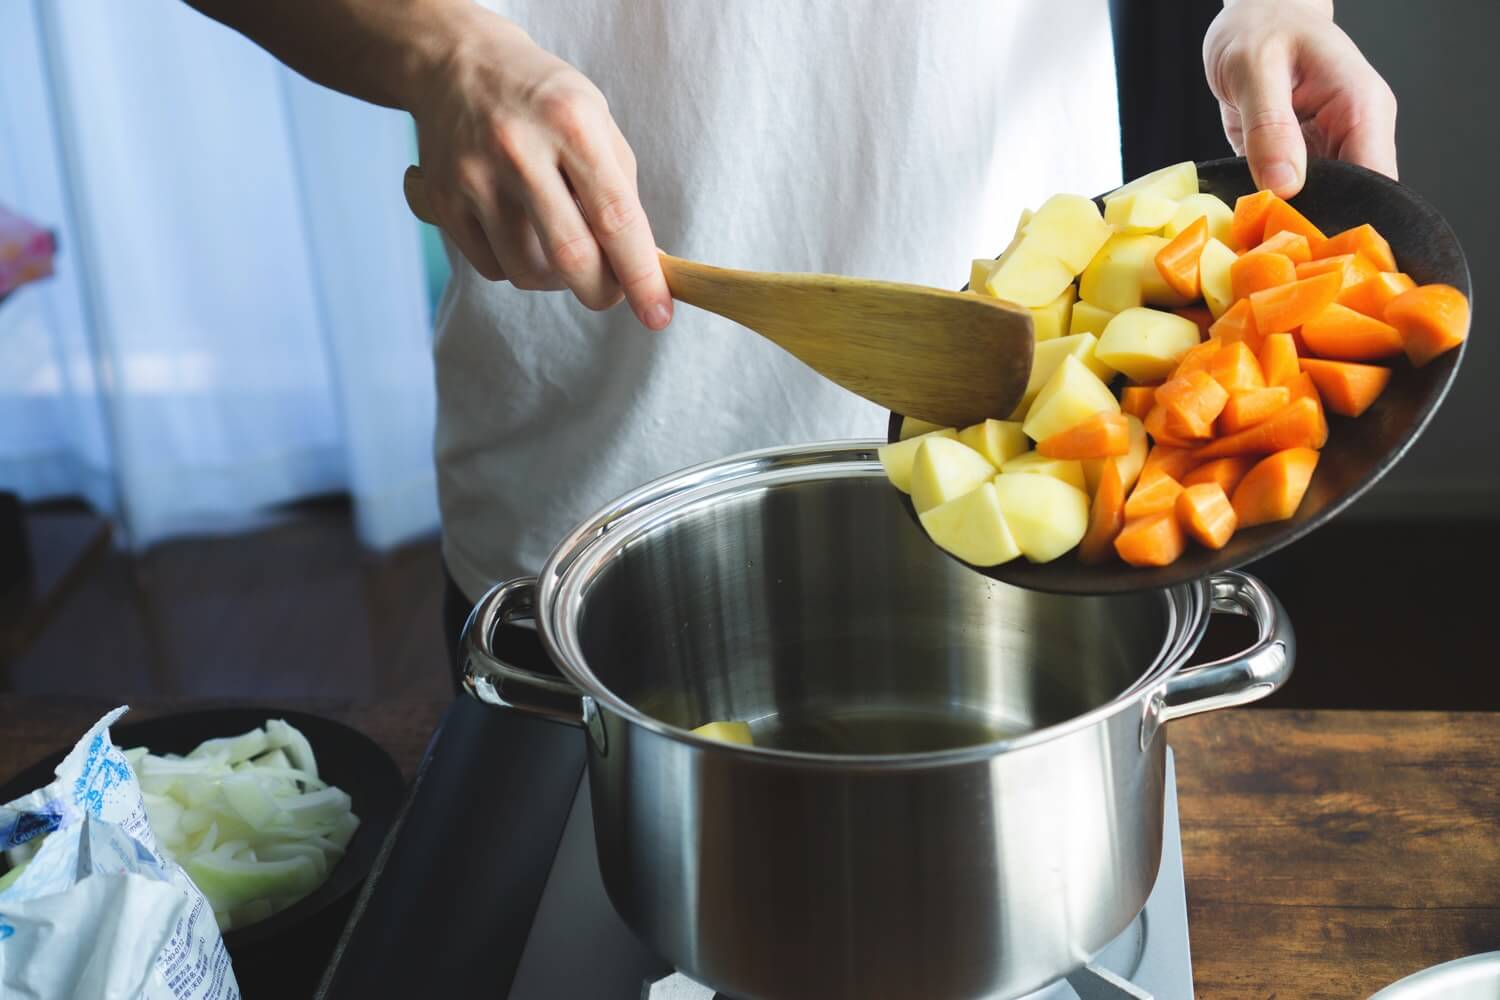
1155,423
1106,516
1137,400
1371,297
1197,358
1249,223
1288,244
1235,368
1257,271
1226,472
1178,260
1287,307
1352,268
1199,315
1237,324
1206,514
1348,389
1360,239
1152,495
1301,386
1250,406
1192,402
1278,358
1098,436
1173,461
1272,490
1157,540
1432,319
1299,424
1281,217
1340,333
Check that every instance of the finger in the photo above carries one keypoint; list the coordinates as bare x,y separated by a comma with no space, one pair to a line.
515,245
1372,141
1233,130
613,210
569,244
468,235
1262,94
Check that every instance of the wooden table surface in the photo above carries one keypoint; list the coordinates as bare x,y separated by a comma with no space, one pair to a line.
1327,854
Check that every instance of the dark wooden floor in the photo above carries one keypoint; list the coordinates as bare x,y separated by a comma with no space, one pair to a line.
1398,616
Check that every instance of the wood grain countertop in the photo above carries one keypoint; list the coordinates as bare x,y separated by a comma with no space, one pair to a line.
1327,854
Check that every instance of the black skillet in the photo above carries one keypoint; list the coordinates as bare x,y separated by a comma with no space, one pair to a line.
1359,451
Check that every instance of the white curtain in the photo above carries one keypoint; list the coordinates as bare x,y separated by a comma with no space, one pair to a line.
240,314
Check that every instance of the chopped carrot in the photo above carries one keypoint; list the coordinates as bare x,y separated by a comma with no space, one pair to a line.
1137,400
1237,324
1374,295
1157,540
1178,260
1432,319
1283,217
1340,333
1288,244
1235,368
1299,424
1206,515
1257,271
1099,436
1360,239
1352,268
1197,358
1287,307
1164,458
1152,495
1199,315
1106,516
1155,422
1227,472
1250,406
1301,386
1347,389
1273,489
1249,222
1192,402
1278,358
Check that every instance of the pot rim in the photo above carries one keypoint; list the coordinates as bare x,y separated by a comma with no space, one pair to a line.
587,549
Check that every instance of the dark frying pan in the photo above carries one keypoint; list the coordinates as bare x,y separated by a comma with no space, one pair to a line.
1359,451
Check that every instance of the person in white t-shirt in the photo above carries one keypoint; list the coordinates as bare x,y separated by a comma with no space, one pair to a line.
563,141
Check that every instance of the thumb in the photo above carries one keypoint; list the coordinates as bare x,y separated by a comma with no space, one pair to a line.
1273,137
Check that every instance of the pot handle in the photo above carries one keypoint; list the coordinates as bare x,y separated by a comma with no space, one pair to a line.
496,682
1234,680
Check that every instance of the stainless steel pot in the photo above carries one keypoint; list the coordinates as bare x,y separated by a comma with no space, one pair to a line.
1000,817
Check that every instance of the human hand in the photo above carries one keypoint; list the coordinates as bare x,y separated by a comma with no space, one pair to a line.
1288,81
527,172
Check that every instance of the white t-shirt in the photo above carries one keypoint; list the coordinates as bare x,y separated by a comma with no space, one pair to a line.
887,139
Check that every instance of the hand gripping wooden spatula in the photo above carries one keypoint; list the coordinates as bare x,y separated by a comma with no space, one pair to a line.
953,358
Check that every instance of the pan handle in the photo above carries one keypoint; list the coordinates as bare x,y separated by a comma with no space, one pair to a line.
495,682
1234,680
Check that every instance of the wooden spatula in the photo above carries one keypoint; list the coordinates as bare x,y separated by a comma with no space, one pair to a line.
949,357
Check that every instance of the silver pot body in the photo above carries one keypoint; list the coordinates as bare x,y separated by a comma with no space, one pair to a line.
990,813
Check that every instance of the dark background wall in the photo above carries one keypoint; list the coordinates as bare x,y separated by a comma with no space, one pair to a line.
1438,56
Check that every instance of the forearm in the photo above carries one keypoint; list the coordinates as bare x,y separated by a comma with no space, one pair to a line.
377,50
1326,6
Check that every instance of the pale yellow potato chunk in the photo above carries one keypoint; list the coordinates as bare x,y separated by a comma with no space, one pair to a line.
1071,395
912,427
1139,213
1088,318
1175,182
1047,517
973,528
1069,470
1051,320
1070,228
1213,275
945,470
997,440
1047,356
897,458
1196,206
726,732
1116,278
1029,277
1146,344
